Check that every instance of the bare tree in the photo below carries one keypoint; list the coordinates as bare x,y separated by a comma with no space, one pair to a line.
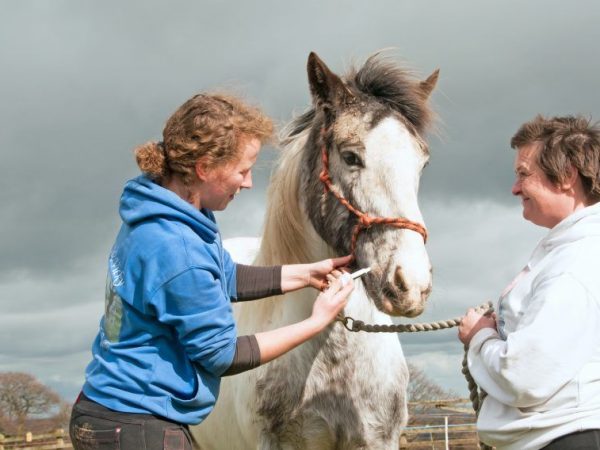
62,417
423,388
22,395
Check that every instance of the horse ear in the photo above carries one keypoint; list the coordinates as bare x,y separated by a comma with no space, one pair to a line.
326,87
428,85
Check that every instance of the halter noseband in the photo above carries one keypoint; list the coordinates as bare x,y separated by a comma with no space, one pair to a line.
364,220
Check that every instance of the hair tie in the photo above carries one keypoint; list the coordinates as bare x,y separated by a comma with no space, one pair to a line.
163,147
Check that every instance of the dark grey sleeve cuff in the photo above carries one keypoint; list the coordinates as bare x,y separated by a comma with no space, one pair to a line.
247,355
257,282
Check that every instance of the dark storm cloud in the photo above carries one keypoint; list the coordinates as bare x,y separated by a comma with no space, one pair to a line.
84,82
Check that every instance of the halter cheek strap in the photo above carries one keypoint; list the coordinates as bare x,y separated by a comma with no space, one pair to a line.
364,220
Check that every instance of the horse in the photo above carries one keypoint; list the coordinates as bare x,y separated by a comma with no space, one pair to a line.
340,390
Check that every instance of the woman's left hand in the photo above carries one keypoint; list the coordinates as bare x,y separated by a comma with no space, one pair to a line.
298,276
472,322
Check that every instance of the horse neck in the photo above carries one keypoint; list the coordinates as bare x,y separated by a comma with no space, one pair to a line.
288,235
288,238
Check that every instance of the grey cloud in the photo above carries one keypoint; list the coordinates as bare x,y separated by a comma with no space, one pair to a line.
50,334
83,83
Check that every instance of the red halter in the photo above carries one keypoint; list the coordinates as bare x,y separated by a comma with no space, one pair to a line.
364,220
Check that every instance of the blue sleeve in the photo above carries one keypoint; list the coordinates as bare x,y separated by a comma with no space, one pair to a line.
194,304
230,271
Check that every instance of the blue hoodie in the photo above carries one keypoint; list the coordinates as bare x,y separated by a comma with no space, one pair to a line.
168,331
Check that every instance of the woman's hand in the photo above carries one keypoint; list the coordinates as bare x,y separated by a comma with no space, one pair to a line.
472,322
328,304
333,299
298,276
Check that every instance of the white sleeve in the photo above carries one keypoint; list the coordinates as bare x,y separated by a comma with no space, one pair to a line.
556,336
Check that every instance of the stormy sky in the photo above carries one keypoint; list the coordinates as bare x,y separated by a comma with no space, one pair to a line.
82,83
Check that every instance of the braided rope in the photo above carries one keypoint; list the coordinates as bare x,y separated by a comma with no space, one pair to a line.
352,324
476,395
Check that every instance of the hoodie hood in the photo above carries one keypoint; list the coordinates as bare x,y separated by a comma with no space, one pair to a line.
143,200
582,223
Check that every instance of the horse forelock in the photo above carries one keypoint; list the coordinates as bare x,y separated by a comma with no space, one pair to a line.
396,87
387,83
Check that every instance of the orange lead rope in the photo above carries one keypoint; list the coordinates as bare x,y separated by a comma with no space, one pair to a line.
364,220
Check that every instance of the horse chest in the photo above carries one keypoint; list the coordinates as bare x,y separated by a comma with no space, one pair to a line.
333,390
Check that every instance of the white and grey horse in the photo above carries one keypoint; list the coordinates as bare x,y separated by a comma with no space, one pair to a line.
340,390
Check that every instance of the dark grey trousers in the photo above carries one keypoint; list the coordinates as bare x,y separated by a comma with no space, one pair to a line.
583,440
95,427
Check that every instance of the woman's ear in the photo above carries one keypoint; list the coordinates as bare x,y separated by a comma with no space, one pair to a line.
201,169
570,180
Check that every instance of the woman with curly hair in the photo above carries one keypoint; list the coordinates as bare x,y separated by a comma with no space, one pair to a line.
168,334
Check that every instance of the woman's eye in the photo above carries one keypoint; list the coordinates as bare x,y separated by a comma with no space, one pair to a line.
352,159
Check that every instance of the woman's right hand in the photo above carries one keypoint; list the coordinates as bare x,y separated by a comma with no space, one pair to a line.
333,299
328,304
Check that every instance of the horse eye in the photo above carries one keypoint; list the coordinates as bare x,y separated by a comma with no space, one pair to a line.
352,159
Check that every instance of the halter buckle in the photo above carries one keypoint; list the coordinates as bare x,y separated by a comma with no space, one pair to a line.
348,322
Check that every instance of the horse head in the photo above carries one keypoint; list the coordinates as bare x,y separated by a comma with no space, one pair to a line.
369,124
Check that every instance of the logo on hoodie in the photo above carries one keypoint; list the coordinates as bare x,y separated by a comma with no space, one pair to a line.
113,312
115,269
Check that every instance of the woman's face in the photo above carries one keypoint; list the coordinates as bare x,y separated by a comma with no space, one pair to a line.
544,203
222,184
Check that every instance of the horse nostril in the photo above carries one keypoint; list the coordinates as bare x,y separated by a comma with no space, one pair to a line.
389,293
425,293
399,280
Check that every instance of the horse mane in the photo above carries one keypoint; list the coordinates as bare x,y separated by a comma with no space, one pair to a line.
285,225
284,240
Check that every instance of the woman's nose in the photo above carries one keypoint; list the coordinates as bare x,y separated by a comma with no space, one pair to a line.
247,180
516,187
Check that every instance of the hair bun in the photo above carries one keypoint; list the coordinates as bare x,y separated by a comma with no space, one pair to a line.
151,159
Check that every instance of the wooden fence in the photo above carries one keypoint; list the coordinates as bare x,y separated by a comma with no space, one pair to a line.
436,431
441,425
430,437
59,439
440,437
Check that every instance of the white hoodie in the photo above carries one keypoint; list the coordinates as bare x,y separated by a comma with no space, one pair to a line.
541,369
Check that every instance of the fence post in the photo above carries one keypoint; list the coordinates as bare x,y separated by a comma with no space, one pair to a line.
446,432
1,441
60,442
28,438
403,442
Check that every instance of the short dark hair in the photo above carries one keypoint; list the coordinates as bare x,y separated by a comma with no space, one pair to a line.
565,141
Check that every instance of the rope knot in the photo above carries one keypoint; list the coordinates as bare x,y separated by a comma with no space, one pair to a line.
365,220
324,177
